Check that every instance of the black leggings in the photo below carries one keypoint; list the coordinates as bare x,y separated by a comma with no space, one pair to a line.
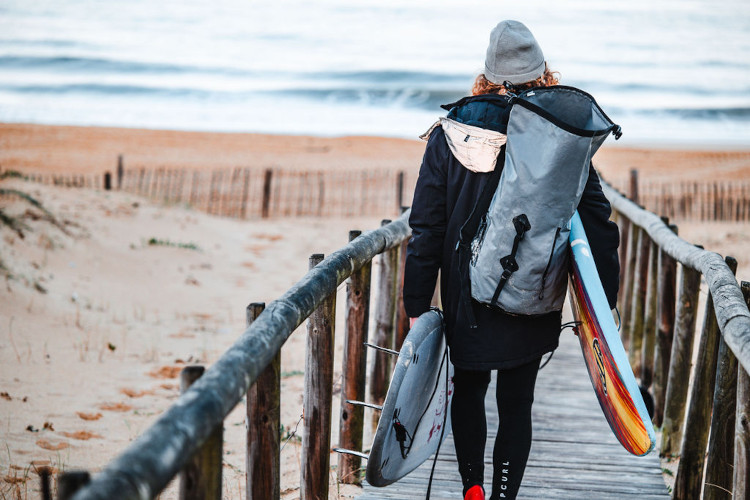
515,394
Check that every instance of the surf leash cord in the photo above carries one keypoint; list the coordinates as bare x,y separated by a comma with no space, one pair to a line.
573,325
442,430
445,410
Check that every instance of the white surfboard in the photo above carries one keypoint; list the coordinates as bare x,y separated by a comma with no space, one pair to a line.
416,413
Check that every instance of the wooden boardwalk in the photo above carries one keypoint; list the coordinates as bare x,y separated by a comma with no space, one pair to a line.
574,454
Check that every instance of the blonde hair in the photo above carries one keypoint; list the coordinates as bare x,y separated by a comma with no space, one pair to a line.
483,86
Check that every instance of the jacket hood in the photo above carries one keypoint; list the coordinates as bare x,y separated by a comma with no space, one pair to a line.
475,130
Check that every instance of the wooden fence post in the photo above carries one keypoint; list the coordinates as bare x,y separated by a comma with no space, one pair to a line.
400,190
263,464
167,186
679,369
158,184
649,325
201,477
688,482
632,254
741,487
266,204
638,301
68,483
230,198
141,174
718,485
44,479
321,194
147,184
666,314
634,185
180,187
402,320
245,193
351,427
217,193
193,199
384,324
120,171
210,194
624,224
317,398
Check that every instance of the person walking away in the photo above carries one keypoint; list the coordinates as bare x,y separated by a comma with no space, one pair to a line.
453,173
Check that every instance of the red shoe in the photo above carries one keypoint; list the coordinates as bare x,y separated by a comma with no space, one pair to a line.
475,493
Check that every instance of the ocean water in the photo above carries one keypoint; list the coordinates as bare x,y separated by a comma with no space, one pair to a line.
675,71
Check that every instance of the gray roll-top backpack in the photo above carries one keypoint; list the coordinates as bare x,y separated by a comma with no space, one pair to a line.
515,243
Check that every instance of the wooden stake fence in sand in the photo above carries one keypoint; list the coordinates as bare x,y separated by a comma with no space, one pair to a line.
727,201
278,192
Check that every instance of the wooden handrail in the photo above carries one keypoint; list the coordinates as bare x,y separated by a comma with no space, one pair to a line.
686,426
731,312
151,461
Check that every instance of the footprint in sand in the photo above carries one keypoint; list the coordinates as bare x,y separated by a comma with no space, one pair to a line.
47,445
132,393
82,435
115,407
88,416
166,372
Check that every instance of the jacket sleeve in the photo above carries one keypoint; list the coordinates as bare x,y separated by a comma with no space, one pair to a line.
428,223
603,235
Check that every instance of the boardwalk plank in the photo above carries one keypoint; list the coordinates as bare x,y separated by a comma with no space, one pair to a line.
573,455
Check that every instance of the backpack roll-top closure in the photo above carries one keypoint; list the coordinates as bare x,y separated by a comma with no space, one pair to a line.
552,133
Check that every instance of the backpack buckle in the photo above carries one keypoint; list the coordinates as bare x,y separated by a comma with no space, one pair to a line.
510,265
522,225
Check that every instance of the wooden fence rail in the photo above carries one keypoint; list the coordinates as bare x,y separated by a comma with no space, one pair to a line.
694,428
180,435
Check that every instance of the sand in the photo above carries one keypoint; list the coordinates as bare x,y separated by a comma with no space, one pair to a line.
96,322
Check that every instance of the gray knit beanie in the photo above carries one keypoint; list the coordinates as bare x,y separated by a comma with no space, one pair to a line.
513,55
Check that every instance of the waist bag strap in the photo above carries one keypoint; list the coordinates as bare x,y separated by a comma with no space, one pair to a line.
510,266
469,230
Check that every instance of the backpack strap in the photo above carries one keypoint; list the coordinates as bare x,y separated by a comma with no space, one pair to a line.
510,266
469,230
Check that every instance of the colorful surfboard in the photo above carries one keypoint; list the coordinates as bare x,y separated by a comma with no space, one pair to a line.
606,359
416,412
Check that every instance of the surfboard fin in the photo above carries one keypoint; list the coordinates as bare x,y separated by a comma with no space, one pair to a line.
383,349
362,403
352,452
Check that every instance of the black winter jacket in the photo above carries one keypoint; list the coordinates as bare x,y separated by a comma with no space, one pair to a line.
445,195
